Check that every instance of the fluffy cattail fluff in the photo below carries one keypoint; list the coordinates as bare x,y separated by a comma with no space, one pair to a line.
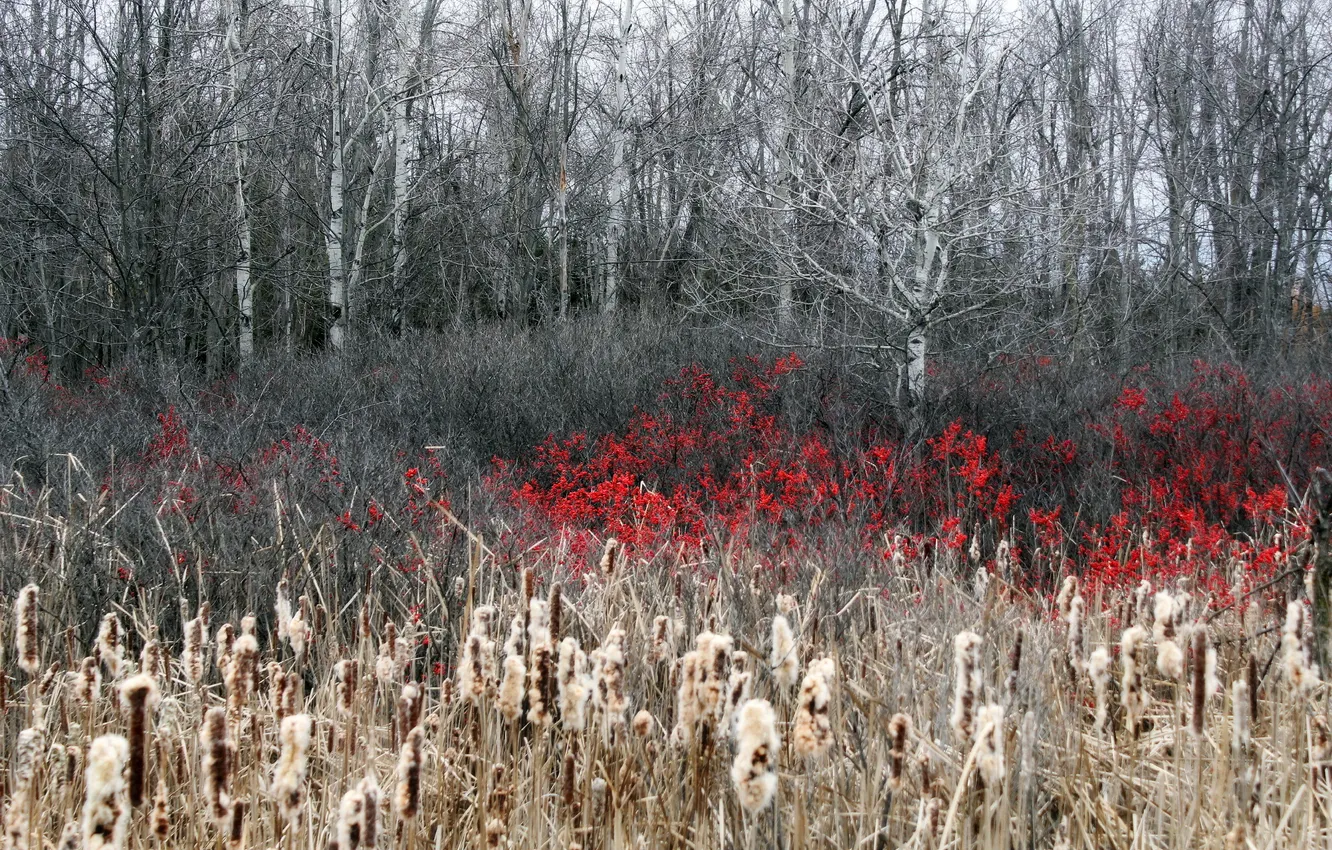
784,659
350,813
89,682
282,610
610,682
711,674
26,637
812,734
1163,625
1169,657
511,688
160,819
225,640
1076,607
737,689
1067,593
410,706
407,795
138,697
1098,667
990,759
642,723
757,746
786,603
967,683
289,774
686,706
298,633
1301,674
150,659
111,644
105,809
1142,600
571,674
899,732
345,674
663,640
31,742
218,753
476,673
370,811
1014,665
1133,695
71,838
240,673
1241,732
1320,752
191,659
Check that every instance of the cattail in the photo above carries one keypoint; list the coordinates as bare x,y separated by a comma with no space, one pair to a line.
642,723
345,674
26,635
225,640
555,609
1133,695
1241,732
407,795
1098,667
138,697
1169,657
662,647
105,813
369,789
31,742
191,658
71,838
282,610
289,774
89,683
240,672
737,689
48,679
476,674
1163,626
1302,675
288,693
686,704
540,688
160,819
495,832
1067,593
572,679
298,633
990,760
899,732
150,659
812,734
111,645
784,660
1014,666
966,668
1201,685
511,688
757,746
927,822
1076,606
236,830
1320,752
351,811
608,558
712,672
1142,601
218,760
610,682
410,706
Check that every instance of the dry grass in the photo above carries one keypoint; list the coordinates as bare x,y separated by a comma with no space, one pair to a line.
321,723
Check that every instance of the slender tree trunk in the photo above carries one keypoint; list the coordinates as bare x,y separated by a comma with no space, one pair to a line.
334,234
235,55
786,157
619,185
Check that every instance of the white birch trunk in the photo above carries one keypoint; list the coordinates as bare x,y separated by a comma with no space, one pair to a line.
402,182
235,58
334,235
785,155
619,185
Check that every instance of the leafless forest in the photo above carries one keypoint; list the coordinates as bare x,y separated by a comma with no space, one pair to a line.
204,180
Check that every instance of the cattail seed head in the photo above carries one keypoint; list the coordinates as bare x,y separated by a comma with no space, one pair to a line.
191,658
160,819
574,688
990,760
757,746
784,659
289,774
351,812
608,556
511,688
218,756
899,732
642,723
105,809
240,672
138,697
1098,668
345,674
370,812
26,635
1300,672
1066,594
407,795
1133,694
812,734
967,686
111,644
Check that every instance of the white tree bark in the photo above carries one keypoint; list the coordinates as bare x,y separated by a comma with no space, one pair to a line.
235,58
786,179
619,182
334,234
